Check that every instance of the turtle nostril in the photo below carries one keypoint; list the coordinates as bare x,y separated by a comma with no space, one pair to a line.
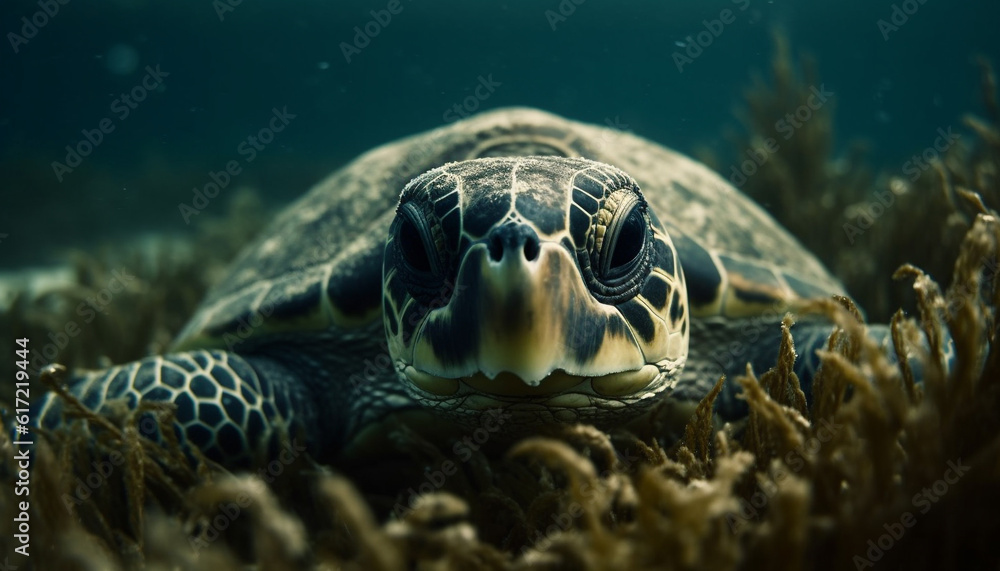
495,247
531,248
513,240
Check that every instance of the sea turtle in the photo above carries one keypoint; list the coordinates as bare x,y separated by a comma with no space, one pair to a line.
514,261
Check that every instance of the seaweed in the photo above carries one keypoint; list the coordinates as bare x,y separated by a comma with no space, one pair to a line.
856,220
127,301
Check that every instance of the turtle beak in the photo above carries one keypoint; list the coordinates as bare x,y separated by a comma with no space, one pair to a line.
520,307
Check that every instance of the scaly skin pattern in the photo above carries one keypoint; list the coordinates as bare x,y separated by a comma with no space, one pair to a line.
225,405
532,323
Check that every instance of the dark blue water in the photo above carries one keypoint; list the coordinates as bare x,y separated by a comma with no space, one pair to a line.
212,74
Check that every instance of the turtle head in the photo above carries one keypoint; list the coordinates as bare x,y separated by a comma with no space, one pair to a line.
543,285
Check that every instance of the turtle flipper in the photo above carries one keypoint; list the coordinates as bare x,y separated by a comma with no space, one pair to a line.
808,336
235,409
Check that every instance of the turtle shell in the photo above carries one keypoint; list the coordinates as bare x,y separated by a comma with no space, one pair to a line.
318,266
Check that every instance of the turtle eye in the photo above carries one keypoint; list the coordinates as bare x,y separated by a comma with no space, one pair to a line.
414,238
413,247
624,238
629,241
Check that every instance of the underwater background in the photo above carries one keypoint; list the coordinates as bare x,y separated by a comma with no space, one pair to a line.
143,144
353,79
